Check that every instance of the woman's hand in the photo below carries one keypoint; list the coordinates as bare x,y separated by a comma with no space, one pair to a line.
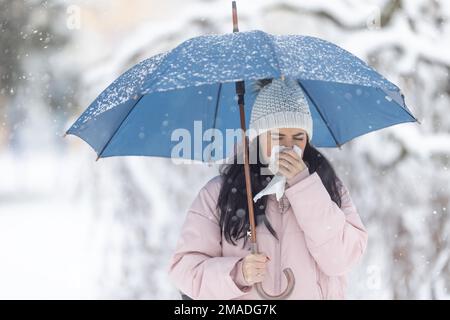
289,163
254,267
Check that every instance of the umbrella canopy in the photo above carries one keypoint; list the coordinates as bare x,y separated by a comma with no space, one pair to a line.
192,88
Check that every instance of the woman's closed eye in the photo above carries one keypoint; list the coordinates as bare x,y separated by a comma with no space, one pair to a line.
277,139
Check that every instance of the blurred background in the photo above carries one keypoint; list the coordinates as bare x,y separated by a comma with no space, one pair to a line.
73,228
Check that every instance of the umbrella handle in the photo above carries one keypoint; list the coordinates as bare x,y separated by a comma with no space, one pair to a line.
286,293
289,277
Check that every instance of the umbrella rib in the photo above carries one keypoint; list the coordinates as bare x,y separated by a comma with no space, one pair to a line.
217,105
118,127
320,113
215,113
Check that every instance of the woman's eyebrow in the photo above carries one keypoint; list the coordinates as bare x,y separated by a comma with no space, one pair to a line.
295,135
299,134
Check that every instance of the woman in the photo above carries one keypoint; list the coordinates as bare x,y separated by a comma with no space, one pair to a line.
314,229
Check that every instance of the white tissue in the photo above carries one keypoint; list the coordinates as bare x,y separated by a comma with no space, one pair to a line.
278,182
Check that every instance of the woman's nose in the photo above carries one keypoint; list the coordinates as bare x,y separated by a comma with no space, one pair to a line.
289,143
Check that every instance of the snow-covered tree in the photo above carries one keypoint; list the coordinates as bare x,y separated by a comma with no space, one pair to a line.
398,177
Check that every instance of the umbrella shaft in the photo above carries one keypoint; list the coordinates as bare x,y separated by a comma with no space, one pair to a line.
235,18
248,183
240,91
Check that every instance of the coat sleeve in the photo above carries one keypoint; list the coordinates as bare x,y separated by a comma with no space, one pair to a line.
335,237
197,266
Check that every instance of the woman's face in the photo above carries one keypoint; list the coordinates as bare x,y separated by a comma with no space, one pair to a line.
283,136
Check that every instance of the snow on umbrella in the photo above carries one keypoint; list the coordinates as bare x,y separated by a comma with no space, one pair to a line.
201,85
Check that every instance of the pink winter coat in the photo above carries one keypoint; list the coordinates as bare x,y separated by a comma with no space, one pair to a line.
319,241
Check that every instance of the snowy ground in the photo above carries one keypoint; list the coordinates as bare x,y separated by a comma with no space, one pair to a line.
45,233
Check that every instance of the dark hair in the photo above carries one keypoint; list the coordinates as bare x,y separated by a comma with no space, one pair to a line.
232,201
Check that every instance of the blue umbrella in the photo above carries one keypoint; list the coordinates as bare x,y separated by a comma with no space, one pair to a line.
195,81
202,83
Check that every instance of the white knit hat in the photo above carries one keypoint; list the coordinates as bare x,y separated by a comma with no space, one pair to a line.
280,104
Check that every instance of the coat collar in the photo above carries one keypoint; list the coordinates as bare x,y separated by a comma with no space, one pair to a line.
284,201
